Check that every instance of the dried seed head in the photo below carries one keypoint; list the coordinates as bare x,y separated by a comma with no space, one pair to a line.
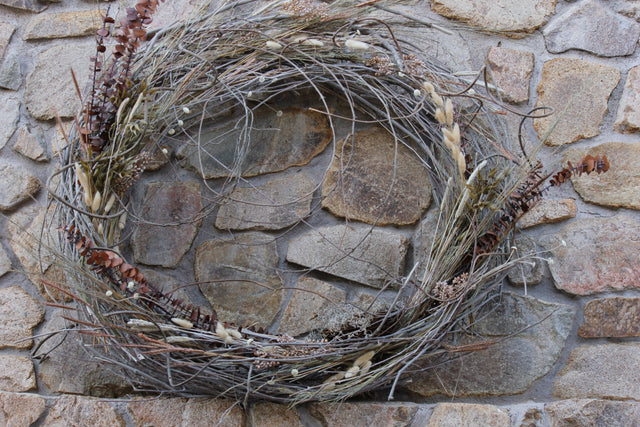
182,322
356,45
273,45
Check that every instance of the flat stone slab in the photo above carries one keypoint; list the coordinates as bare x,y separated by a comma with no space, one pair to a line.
363,414
591,27
20,409
186,412
615,317
278,204
266,414
29,146
49,87
29,5
608,371
19,314
594,255
511,70
82,411
548,211
170,221
510,17
592,412
239,278
372,257
312,305
467,414
277,141
6,31
376,180
507,367
16,374
578,91
9,116
628,115
65,24
16,186
10,73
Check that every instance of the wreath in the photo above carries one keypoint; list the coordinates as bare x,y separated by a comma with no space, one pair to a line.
154,90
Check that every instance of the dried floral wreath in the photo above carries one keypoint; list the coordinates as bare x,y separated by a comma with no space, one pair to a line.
198,69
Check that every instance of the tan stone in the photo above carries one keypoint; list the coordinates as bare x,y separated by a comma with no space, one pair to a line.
16,185
5,262
273,415
310,305
549,211
9,117
620,185
592,412
19,314
628,116
180,412
578,92
375,180
60,139
511,70
467,414
363,414
6,31
608,371
16,374
29,146
82,411
512,18
17,409
65,24
611,318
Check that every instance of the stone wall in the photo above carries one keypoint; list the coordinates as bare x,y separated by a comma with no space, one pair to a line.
567,351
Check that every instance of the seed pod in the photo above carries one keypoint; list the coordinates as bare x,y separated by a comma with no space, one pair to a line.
182,322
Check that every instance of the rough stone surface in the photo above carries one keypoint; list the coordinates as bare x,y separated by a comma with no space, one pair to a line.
363,414
29,5
592,412
530,271
608,371
82,411
549,211
376,180
187,292
173,212
29,146
511,70
179,412
450,49
578,92
6,31
600,254
618,187
371,257
65,24
69,369
50,88
16,374
594,28
507,367
10,73
310,305
611,318
275,205
628,8
511,17
277,142
9,116
19,314
16,186
466,414
5,262
17,409
628,116
422,240
239,278
273,415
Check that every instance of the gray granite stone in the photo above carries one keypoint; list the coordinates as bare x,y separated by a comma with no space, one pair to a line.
16,374
6,31
171,215
19,314
28,5
9,116
594,255
82,411
548,211
278,140
592,412
363,414
20,409
273,415
592,27
616,317
29,146
375,180
509,366
64,24
16,186
511,70
628,115
49,87
5,262
513,19
578,91
467,414
275,205
10,73
369,256
607,371
180,412
530,270
239,278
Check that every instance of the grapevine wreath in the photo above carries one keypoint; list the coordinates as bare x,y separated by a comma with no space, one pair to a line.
151,91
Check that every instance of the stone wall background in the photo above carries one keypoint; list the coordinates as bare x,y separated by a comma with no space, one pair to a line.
579,364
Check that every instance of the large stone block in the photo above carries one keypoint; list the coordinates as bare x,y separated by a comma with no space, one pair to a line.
511,70
611,318
16,374
466,414
64,24
363,414
19,314
179,412
82,411
628,115
592,412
